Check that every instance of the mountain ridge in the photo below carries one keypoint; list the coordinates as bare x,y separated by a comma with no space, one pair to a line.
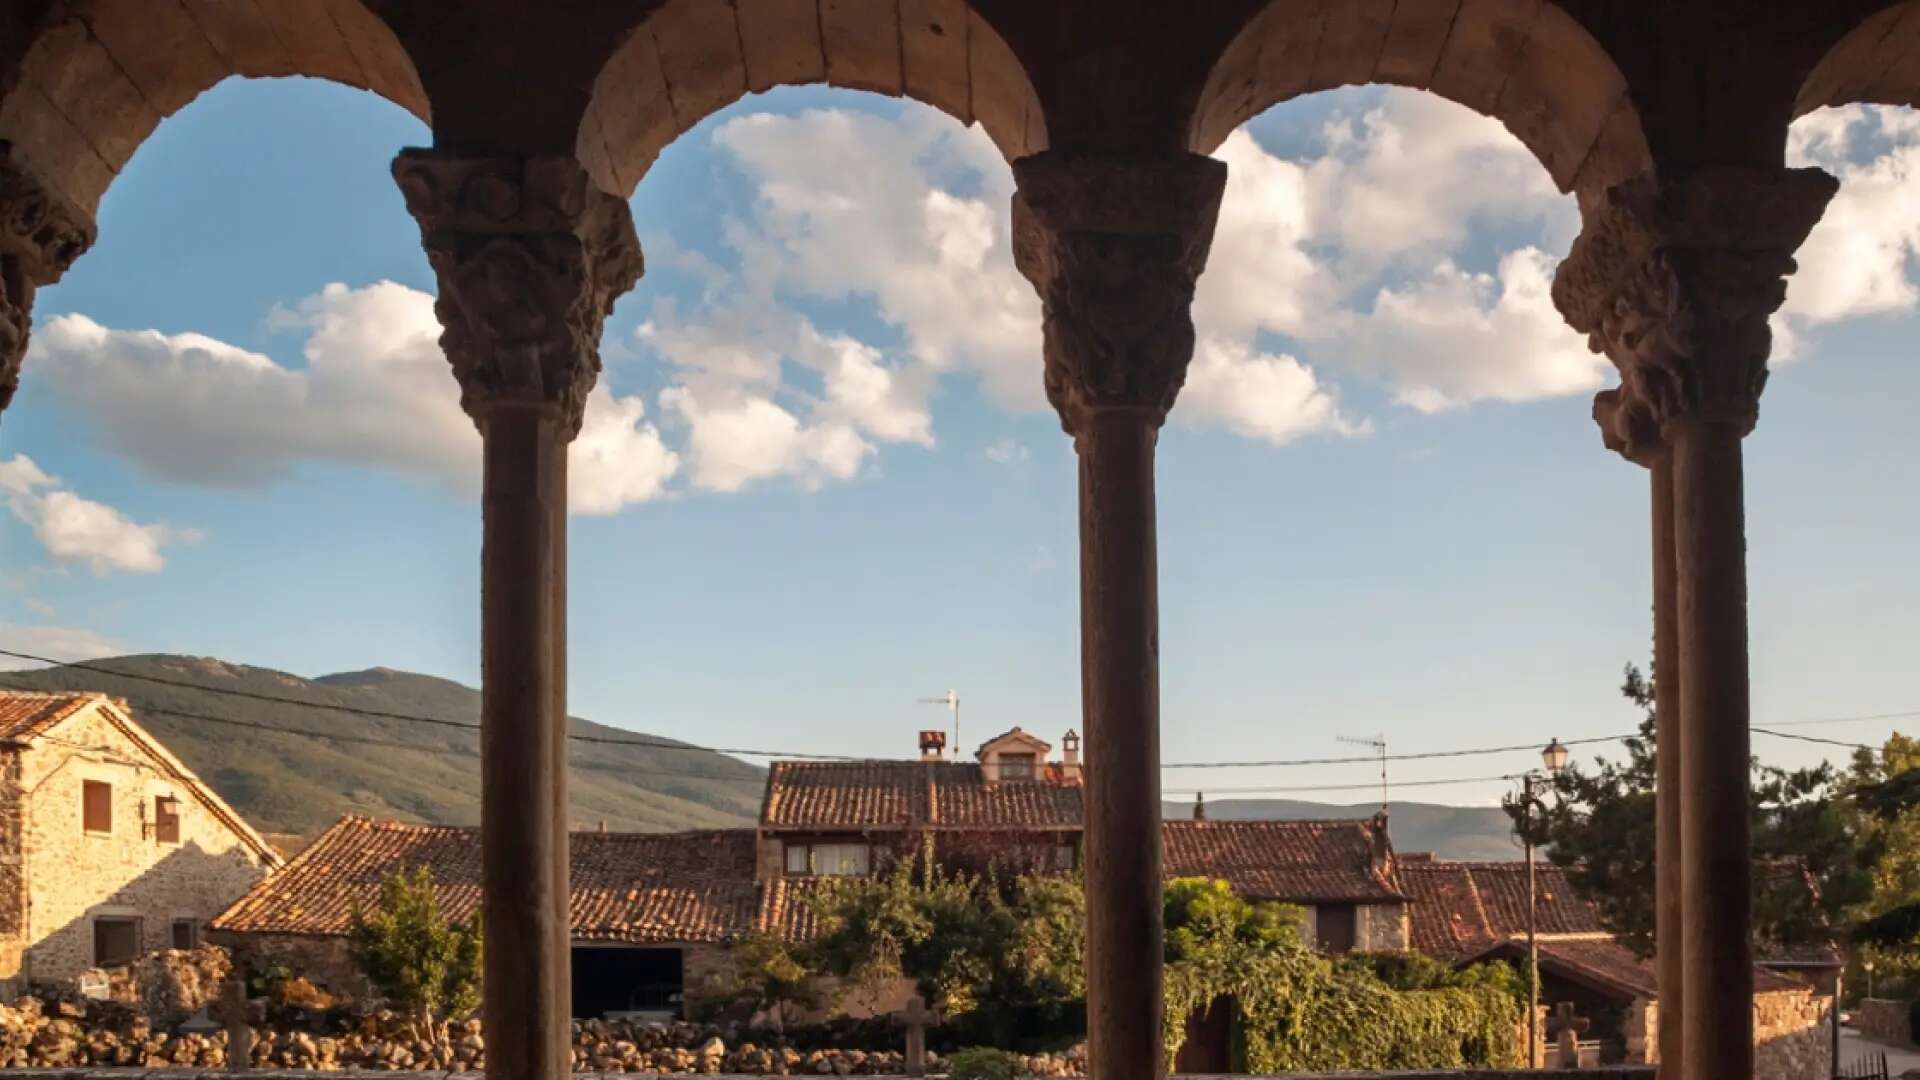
385,766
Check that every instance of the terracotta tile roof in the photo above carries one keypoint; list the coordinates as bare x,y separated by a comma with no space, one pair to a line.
630,887
26,715
1279,860
875,796
1460,907
1609,965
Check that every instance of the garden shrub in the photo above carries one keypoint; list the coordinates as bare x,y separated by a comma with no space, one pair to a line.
985,1063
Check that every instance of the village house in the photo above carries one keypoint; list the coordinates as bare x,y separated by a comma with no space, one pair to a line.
652,915
1468,912
109,846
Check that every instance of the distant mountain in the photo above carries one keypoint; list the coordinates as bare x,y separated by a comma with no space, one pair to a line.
1450,832
398,768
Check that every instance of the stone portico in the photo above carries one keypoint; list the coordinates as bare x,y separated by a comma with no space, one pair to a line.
1667,121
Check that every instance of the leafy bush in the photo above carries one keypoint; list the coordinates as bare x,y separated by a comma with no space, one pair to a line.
427,967
985,1063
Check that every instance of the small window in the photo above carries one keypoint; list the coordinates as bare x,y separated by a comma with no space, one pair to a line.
97,806
115,940
1016,766
166,819
797,859
840,860
1336,927
186,934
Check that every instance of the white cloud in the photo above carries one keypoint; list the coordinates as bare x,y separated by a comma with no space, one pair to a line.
375,392
1007,451
1859,259
73,529
62,643
39,607
1455,337
734,444
1259,395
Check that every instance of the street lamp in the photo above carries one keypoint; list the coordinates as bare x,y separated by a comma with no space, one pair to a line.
1554,757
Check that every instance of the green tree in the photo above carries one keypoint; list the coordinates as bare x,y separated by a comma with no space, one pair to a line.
1885,787
426,966
1812,867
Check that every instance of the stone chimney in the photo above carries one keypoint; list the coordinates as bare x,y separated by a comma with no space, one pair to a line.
1199,806
1382,853
1070,756
933,745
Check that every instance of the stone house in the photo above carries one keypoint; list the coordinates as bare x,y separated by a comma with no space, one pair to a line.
1465,912
1014,808
110,847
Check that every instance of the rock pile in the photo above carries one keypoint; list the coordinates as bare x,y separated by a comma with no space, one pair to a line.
65,1033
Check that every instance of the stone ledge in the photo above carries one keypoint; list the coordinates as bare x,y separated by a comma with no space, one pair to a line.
1621,1072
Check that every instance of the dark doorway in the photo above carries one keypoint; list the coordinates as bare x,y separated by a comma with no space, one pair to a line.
1335,927
613,979
1208,1047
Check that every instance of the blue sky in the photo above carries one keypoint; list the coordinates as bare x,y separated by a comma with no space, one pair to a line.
821,484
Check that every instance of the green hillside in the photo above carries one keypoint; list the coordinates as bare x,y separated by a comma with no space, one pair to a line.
1450,832
295,784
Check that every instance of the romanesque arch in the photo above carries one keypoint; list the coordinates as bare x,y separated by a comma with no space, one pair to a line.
691,58
1527,64
1877,62
99,76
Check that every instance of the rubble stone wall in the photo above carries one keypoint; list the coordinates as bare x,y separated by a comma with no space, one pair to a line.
13,871
1885,1020
1791,1040
75,876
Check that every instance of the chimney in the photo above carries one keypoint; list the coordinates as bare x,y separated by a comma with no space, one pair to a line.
933,745
603,825
1382,847
1199,806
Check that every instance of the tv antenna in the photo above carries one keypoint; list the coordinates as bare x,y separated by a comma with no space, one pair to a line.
951,699
1378,744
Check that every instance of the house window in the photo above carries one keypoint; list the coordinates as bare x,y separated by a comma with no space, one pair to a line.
166,819
116,940
186,934
96,805
1016,766
1063,856
828,860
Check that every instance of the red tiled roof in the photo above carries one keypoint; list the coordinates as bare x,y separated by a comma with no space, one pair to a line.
1609,965
1279,860
875,796
25,715
1461,907
630,887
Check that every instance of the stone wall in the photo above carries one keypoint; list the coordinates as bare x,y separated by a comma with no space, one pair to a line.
1791,1038
1634,1072
1381,927
75,876
13,871
1885,1020
320,959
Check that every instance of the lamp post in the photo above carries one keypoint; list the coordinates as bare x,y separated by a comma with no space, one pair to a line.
1867,966
1554,757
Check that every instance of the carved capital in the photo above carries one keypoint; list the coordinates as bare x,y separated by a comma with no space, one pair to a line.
1114,246
530,257
1674,280
41,234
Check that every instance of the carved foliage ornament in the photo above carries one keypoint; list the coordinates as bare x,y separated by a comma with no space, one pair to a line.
41,234
1113,246
530,257
1674,281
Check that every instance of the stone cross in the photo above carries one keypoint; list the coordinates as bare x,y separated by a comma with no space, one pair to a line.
1569,1038
233,1002
916,1017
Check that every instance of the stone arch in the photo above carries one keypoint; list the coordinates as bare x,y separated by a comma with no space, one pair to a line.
1877,63
1526,63
100,75
691,58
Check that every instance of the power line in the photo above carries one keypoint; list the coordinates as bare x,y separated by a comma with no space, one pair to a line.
1374,759
1846,719
1814,739
1341,787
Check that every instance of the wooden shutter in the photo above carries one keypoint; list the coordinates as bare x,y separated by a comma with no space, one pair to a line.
1336,927
183,934
97,806
166,820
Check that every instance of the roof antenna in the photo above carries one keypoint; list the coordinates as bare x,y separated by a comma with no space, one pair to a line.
1378,744
952,701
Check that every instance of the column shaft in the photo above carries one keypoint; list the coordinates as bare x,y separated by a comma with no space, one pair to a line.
1120,677
1667,781
1715,834
523,773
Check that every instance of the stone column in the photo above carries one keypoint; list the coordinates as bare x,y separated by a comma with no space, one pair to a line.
1114,245
1628,428
41,234
530,257
1674,279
